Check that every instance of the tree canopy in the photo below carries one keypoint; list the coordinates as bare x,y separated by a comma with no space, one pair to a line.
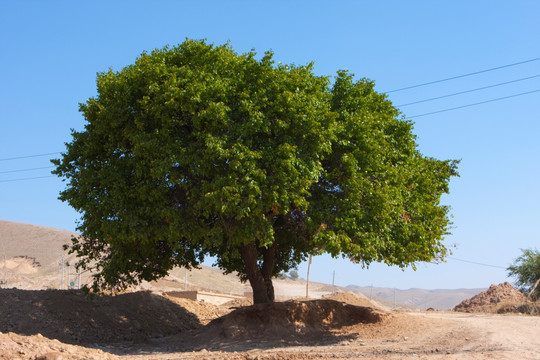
526,270
196,150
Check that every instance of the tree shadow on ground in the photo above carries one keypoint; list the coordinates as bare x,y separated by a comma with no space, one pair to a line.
276,325
145,323
71,317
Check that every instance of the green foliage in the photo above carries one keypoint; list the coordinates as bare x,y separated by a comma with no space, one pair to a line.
526,270
378,198
196,150
293,274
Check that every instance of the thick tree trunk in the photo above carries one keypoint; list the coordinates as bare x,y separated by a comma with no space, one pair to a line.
269,261
260,279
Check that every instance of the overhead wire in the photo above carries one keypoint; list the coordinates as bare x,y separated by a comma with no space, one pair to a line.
28,169
461,76
29,178
29,156
473,104
391,91
21,170
468,91
409,117
477,263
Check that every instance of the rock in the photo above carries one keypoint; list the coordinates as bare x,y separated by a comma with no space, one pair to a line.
51,356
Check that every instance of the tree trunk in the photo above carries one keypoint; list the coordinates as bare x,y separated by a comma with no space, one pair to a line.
531,293
260,279
269,260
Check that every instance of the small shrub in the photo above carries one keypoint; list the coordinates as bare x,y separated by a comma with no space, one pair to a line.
293,274
528,308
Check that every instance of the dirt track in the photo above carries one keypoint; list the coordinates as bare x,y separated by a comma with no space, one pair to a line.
448,336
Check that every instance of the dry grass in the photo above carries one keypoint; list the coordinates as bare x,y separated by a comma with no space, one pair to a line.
527,308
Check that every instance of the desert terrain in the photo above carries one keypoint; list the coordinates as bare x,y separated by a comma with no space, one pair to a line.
38,320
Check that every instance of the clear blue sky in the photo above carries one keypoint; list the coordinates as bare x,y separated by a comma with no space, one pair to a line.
50,52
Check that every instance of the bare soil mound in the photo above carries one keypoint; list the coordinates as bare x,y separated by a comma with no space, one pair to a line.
205,312
38,347
71,317
488,300
283,320
353,299
237,303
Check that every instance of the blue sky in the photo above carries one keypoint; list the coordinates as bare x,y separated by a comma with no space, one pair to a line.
51,51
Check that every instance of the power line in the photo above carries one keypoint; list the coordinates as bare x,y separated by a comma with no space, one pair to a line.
462,76
21,170
474,104
477,263
30,178
402,105
29,156
468,91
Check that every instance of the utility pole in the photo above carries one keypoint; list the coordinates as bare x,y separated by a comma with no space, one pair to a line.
333,279
62,284
4,269
307,280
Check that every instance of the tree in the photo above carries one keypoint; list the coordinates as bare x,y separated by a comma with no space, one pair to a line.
196,150
526,269
293,274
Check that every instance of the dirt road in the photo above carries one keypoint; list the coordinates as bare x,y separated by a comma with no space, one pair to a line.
433,336
428,335
498,336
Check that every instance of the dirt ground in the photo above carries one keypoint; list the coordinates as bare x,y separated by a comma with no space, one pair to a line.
41,324
55,325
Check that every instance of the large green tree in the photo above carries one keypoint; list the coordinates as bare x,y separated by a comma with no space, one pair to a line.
196,150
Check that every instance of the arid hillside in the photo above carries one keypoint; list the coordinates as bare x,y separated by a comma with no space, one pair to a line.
41,244
31,258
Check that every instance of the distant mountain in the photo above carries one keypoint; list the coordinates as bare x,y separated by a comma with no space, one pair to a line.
442,299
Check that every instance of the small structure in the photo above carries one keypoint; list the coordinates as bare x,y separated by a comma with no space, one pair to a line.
212,298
